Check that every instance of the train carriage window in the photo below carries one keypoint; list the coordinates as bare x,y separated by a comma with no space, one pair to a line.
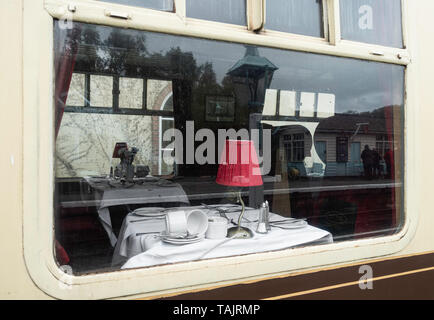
163,5
372,21
163,116
227,11
294,16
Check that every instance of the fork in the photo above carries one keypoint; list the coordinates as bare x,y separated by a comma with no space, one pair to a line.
221,211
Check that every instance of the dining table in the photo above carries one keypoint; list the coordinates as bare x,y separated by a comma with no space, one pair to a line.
141,244
143,191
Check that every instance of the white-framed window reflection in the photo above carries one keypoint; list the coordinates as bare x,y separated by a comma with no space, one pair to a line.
165,165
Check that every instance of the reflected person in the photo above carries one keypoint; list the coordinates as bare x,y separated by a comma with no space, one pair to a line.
368,161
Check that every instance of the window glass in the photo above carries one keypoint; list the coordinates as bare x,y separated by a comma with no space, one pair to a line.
101,88
130,93
227,11
76,92
372,21
329,147
168,103
164,5
294,16
167,159
158,92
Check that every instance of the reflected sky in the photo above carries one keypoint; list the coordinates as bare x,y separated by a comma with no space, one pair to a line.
358,85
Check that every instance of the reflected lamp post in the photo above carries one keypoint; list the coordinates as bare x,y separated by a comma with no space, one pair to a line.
255,73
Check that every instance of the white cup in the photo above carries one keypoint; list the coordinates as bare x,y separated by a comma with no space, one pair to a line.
176,222
148,241
197,222
217,228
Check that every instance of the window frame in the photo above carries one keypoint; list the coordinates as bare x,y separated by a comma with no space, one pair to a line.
161,150
38,169
294,147
115,107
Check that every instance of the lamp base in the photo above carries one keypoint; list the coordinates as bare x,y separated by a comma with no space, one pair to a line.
240,233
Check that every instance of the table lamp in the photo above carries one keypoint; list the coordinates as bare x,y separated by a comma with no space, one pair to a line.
239,167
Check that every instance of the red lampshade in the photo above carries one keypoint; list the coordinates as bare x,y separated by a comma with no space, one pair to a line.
239,165
119,146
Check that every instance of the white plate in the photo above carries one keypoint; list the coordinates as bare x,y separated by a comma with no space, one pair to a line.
151,215
149,212
185,241
179,241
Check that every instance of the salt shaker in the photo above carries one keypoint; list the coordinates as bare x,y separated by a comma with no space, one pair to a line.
262,221
267,216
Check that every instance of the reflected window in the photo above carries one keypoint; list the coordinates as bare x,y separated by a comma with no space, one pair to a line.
227,11
372,21
294,16
382,144
101,88
159,93
130,93
164,5
76,94
294,146
329,145
110,94
167,160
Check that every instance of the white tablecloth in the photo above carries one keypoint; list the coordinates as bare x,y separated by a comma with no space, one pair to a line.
147,192
140,244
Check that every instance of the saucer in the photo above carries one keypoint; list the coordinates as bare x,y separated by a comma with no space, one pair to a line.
179,240
150,212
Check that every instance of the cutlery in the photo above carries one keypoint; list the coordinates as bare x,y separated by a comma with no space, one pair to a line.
287,221
187,235
223,210
220,210
173,236
142,233
147,219
286,228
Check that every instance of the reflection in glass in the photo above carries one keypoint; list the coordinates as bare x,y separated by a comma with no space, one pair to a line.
100,91
227,11
76,94
294,16
130,93
157,92
372,21
315,115
164,5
